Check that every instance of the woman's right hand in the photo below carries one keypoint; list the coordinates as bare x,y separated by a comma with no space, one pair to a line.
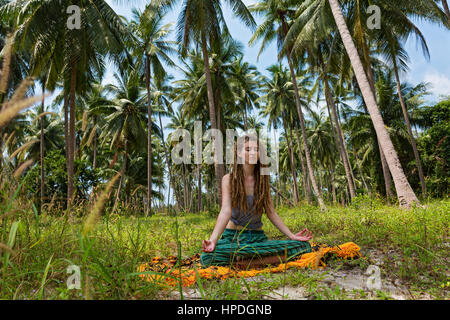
304,235
208,245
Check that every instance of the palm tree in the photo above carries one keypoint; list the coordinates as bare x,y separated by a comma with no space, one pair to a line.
95,97
151,48
326,68
178,121
125,118
276,25
245,85
278,96
77,54
312,23
161,96
202,21
405,193
392,48
321,138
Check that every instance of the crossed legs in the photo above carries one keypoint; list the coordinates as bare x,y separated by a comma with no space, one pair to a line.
259,261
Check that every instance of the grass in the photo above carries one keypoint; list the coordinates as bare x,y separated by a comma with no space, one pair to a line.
414,245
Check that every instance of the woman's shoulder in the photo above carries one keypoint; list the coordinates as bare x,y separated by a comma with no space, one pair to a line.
226,179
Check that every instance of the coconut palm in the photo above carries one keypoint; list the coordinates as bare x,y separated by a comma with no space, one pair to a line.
314,21
178,121
202,21
124,127
77,53
278,97
390,42
151,48
276,25
326,67
405,193
94,98
245,85
161,96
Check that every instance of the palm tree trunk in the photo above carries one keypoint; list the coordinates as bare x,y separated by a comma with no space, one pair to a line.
386,174
288,134
94,161
185,189
199,194
168,198
149,136
178,185
212,116
122,176
278,169
338,137
219,123
361,174
320,179
384,165
245,119
71,142
42,152
446,10
305,143
333,188
346,192
169,169
191,199
306,187
408,126
345,145
405,193
66,126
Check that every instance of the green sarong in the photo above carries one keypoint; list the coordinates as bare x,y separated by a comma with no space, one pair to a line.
244,244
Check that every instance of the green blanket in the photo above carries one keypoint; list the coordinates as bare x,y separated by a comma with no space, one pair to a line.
242,244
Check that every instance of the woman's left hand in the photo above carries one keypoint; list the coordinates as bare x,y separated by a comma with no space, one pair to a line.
304,235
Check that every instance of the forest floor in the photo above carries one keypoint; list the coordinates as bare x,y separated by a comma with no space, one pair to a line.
409,248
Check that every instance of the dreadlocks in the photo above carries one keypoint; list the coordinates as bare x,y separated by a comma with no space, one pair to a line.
262,187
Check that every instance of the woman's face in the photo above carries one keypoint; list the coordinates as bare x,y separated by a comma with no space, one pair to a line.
250,152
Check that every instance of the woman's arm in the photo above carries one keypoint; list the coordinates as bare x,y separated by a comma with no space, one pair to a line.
304,235
277,222
225,210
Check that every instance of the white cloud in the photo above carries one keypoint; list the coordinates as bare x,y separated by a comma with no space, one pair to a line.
440,83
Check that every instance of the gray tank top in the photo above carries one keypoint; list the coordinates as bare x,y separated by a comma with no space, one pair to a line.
241,218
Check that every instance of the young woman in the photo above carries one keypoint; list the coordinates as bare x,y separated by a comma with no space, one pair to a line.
245,196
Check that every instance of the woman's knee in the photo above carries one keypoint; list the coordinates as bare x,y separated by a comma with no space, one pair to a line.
207,259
